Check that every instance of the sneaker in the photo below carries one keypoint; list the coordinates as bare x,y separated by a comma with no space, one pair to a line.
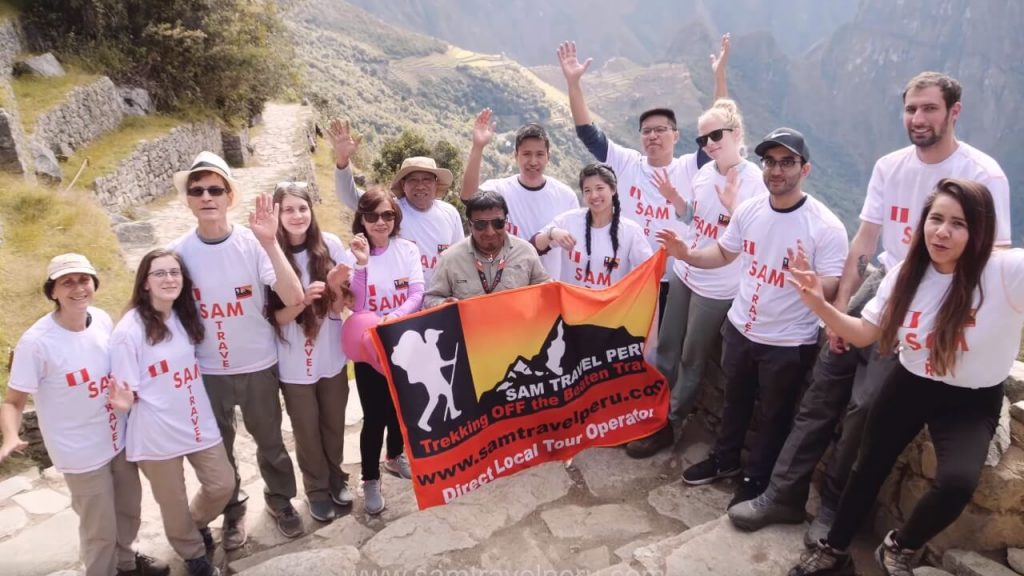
321,510
651,445
233,535
373,500
201,567
707,471
288,521
894,559
824,560
763,511
748,489
399,466
208,542
146,566
344,497
819,527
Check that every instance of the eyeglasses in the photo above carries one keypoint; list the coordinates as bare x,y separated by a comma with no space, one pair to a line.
481,225
161,274
785,163
424,180
659,130
372,217
714,136
197,191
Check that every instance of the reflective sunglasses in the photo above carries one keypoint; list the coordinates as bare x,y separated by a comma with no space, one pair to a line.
714,136
372,217
197,191
481,225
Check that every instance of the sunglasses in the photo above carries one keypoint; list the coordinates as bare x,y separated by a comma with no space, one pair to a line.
714,136
372,217
197,191
481,225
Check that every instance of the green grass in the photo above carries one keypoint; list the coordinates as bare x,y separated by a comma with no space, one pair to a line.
105,153
37,95
330,213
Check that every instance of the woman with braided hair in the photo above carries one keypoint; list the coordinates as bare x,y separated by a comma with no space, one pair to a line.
612,246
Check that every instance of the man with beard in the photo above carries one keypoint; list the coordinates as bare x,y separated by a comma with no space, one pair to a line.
899,187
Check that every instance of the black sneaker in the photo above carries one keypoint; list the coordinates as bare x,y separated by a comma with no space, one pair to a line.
146,566
201,567
709,470
208,542
824,560
322,510
651,445
233,534
288,521
894,558
748,489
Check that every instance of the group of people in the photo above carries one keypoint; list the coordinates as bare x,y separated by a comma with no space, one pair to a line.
232,317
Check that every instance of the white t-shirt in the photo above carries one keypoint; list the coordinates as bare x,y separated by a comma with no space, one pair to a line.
990,343
389,275
766,310
305,361
229,281
901,182
68,374
172,416
710,219
641,202
432,232
529,210
633,250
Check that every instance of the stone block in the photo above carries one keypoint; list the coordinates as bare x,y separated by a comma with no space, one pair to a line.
1001,489
42,501
966,563
1001,439
327,562
45,163
135,101
12,519
13,155
43,65
1015,382
691,505
1015,558
594,523
14,485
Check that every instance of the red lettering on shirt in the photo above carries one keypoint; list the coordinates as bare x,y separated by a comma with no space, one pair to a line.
218,310
599,279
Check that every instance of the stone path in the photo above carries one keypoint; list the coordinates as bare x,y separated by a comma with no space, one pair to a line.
280,147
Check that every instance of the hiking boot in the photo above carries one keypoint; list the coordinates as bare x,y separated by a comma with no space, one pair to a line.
322,510
820,526
824,560
344,497
146,566
763,511
709,470
398,466
208,542
288,521
748,489
894,559
233,534
201,567
651,445
373,499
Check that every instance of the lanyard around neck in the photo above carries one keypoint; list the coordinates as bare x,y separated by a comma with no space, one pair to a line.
488,288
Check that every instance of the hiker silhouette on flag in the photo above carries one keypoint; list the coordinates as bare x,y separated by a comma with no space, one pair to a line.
419,356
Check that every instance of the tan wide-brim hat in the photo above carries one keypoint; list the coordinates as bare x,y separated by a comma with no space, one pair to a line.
208,162
70,263
422,164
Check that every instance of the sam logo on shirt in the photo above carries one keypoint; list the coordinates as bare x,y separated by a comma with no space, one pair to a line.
243,292
442,247
724,219
401,283
785,263
611,263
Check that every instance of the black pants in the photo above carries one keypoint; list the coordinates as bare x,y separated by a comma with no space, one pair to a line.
961,422
778,373
378,414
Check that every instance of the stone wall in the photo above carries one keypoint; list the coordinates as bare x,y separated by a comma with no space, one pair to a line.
14,156
10,45
85,114
146,174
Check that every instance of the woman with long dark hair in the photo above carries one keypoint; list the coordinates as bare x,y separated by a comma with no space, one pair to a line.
953,311
153,358
388,281
612,245
311,366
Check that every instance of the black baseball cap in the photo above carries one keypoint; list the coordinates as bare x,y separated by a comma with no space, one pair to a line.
791,139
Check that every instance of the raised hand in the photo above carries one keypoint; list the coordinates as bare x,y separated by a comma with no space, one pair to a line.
263,220
343,141
120,396
571,67
338,276
314,292
719,61
673,244
804,279
483,129
727,195
360,248
664,185
563,239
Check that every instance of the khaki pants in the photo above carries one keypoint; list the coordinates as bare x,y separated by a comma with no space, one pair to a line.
181,519
317,412
108,502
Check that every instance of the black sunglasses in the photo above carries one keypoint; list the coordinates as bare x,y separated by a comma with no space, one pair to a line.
372,217
481,225
714,136
197,191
